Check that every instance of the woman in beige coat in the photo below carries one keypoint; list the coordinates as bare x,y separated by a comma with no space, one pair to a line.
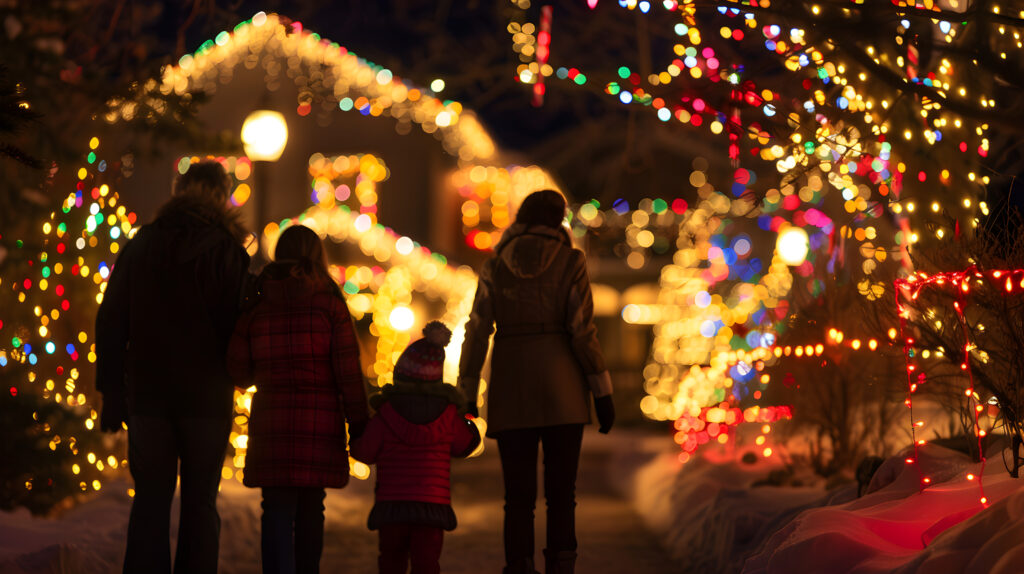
546,365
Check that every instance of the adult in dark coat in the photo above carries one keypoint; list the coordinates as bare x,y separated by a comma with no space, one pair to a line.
299,347
162,331
546,365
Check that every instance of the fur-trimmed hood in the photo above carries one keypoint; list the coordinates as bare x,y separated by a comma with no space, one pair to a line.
206,212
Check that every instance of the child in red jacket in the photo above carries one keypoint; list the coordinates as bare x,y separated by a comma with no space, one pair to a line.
418,428
298,345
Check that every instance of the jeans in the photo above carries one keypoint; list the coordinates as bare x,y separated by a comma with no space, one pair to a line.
518,451
155,445
401,543
292,529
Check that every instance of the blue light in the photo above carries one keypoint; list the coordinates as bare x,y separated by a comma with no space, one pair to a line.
702,299
620,206
70,349
843,102
708,329
50,347
645,6
625,97
664,115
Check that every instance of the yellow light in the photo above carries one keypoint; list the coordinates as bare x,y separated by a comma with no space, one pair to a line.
264,135
401,318
792,245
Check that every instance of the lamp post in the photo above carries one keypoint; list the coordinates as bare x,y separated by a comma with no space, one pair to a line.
264,135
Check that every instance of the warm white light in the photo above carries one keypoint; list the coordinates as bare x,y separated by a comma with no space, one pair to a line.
793,245
401,318
264,135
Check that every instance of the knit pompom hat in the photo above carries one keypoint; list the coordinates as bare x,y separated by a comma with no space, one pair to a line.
423,361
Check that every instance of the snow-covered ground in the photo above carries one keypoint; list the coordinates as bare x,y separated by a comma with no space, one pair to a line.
89,539
713,518
711,514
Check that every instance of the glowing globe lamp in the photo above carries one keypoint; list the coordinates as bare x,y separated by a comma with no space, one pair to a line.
792,245
401,318
264,135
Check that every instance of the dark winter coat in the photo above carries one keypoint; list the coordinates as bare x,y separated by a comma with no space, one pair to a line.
418,428
167,313
299,347
546,361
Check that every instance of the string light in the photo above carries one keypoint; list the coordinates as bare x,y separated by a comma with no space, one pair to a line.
907,292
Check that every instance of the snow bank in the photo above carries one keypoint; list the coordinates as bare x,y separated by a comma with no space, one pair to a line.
896,528
90,538
714,517
709,513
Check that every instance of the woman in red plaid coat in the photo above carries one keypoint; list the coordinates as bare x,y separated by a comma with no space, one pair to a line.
298,346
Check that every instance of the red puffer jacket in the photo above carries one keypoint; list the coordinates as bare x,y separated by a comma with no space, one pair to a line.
299,347
412,438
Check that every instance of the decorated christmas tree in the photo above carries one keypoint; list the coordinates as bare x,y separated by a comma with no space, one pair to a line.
50,287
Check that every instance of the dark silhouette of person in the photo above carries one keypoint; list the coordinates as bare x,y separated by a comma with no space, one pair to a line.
419,426
545,366
162,333
298,346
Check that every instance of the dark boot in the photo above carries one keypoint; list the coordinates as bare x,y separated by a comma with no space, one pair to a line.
559,562
524,566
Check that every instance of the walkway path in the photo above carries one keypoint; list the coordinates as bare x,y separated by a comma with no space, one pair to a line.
612,538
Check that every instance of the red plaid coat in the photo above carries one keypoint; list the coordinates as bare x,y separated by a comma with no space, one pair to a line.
299,347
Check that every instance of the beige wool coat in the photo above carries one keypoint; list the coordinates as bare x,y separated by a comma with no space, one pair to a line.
534,295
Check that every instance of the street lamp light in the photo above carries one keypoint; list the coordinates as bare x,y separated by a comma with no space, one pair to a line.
401,318
264,135
792,245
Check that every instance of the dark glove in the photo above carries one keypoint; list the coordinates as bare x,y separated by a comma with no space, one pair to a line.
355,430
605,413
473,410
113,413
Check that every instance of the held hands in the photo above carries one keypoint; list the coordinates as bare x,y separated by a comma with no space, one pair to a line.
356,430
113,413
605,413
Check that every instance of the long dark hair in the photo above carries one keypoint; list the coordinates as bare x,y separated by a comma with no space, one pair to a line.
300,253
